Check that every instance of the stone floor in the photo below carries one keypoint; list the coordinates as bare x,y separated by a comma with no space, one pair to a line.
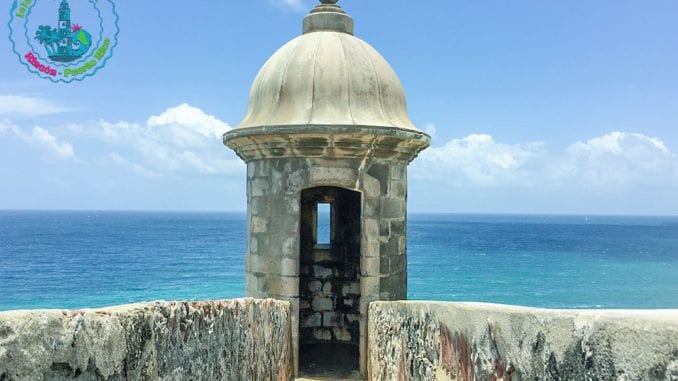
329,362
327,379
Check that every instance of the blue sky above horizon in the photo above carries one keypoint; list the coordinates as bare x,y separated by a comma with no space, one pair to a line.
534,107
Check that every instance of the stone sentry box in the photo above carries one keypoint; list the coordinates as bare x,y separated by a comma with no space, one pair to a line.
327,123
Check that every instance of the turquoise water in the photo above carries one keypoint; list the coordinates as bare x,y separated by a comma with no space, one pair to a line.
91,259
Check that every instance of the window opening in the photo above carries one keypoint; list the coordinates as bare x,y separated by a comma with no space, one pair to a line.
323,223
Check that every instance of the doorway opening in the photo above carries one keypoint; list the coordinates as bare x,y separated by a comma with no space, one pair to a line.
329,282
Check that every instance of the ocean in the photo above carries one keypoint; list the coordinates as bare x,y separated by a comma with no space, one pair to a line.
77,259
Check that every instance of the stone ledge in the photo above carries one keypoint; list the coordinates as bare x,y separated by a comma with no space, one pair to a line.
469,341
336,142
222,339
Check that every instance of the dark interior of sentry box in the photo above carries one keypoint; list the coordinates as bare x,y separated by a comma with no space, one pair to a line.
329,283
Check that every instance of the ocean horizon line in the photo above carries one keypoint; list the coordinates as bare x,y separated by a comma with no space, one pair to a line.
414,213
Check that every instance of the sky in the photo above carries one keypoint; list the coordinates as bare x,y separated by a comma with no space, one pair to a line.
566,107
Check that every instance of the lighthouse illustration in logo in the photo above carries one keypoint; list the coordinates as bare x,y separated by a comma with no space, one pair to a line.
66,43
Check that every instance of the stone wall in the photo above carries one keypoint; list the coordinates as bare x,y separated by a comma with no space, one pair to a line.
215,340
474,341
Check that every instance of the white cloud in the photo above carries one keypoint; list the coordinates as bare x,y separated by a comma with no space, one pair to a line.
182,140
28,106
44,138
189,119
480,160
430,129
617,159
297,5
6,127
41,138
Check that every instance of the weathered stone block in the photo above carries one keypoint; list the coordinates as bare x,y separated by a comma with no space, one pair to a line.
397,264
322,334
398,171
332,176
259,264
384,229
290,247
322,272
295,181
394,284
385,265
283,285
259,187
369,266
370,285
311,320
251,283
291,205
380,172
341,334
390,247
371,227
314,286
371,207
276,206
398,226
370,247
321,303
276,182
372,186
259,225
397,188
331,318
402,245
392,207
289,267
259,206
352,288
251,170
263,168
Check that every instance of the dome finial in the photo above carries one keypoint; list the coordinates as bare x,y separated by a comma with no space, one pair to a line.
328,16
328,6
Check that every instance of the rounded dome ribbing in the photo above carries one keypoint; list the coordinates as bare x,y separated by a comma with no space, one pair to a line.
327,77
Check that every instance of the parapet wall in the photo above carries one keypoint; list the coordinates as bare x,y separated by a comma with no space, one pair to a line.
214,340
250,339
473,341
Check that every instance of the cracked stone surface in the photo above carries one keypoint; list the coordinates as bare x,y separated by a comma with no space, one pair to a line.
211,340
476,341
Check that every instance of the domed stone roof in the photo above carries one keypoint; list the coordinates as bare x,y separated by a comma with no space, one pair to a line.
328,77
327,94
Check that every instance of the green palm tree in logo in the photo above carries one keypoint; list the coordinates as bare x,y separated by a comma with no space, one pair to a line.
66,43
49,37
